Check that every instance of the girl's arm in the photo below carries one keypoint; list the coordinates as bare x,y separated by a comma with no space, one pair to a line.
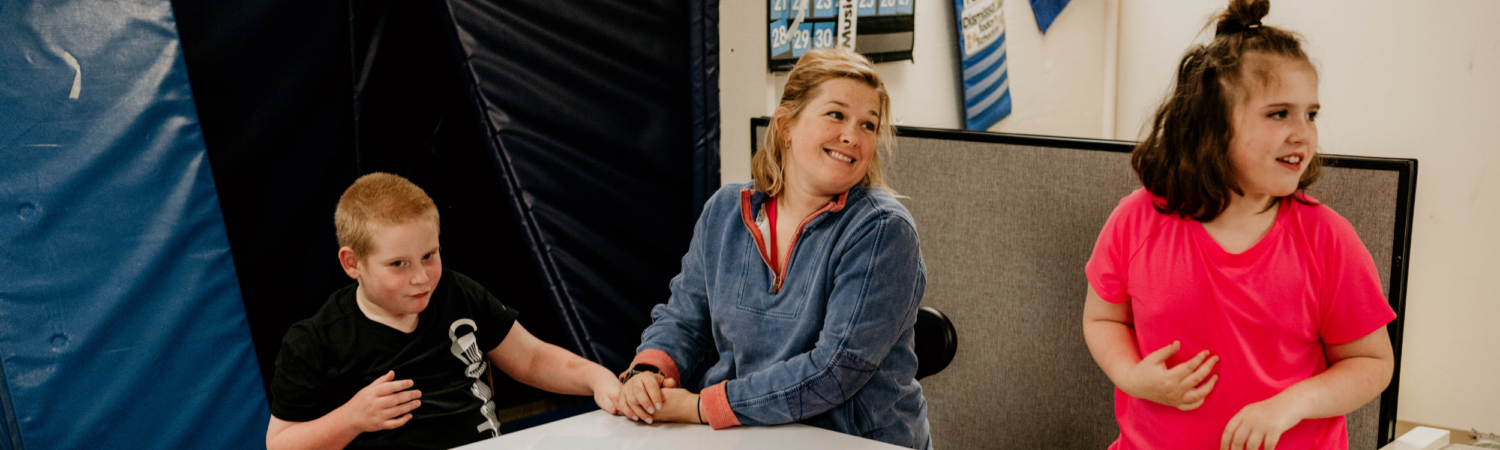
1109,330
548,367
1358,371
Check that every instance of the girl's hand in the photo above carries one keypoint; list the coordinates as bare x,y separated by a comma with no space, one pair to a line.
1260,423
1177,387
641,397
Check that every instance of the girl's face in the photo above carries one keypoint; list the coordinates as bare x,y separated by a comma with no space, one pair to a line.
833,141
1275,136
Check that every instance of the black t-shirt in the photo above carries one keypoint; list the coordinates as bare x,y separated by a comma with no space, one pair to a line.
330,356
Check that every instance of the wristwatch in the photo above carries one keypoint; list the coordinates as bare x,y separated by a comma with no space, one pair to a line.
639,369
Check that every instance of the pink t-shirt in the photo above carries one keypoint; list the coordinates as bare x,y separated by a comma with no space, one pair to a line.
1267,312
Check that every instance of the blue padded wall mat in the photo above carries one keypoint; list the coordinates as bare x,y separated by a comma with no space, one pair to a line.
121,322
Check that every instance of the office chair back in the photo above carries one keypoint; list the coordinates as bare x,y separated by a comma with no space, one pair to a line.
937,341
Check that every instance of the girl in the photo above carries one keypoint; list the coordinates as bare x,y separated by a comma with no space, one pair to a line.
1258,309
799,291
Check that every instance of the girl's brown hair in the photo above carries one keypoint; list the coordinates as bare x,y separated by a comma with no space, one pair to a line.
802,85
1185,158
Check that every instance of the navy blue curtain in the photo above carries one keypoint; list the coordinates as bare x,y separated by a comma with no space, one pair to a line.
605,133
271,83
411,116
298,99
703,71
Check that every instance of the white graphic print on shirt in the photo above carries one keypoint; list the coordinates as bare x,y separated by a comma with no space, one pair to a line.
467,350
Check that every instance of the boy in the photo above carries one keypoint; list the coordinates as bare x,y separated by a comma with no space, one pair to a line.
396,359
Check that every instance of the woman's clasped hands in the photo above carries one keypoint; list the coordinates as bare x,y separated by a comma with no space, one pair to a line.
651,397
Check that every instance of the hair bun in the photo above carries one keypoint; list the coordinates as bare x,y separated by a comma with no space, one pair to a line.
1242,15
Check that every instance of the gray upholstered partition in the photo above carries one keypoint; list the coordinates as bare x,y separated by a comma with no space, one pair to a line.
1007,223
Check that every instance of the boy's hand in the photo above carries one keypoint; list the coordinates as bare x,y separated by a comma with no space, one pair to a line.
1176,387
383,405
640,396
1260,423
607,394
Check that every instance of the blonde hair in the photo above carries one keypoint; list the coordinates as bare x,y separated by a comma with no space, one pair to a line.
379,199
802,85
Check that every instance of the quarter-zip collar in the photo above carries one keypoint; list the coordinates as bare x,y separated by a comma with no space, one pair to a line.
751,203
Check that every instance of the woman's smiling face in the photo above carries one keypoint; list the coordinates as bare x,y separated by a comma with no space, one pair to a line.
833,140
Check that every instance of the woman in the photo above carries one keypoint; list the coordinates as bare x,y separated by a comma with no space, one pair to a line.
804,285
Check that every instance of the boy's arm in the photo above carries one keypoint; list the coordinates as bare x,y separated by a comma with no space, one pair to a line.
323,433
548,367
384,404
1357,372
1109,331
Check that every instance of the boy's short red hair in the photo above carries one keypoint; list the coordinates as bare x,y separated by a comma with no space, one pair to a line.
379,199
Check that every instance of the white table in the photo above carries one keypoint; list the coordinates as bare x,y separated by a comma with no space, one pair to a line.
600,431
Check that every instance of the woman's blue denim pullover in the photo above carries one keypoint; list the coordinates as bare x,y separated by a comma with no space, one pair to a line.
832,347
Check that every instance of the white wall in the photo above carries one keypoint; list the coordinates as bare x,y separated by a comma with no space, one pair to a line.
1056,81
1400,78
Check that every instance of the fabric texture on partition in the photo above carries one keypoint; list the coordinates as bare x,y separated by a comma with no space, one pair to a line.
1013,283
1006,231
120,312
585,111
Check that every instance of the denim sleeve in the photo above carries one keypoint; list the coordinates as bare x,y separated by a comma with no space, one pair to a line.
877,287
681,327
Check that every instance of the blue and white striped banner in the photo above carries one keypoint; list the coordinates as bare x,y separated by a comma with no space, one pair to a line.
981,40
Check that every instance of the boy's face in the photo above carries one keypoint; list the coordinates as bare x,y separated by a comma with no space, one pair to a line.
1275,135
399,274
